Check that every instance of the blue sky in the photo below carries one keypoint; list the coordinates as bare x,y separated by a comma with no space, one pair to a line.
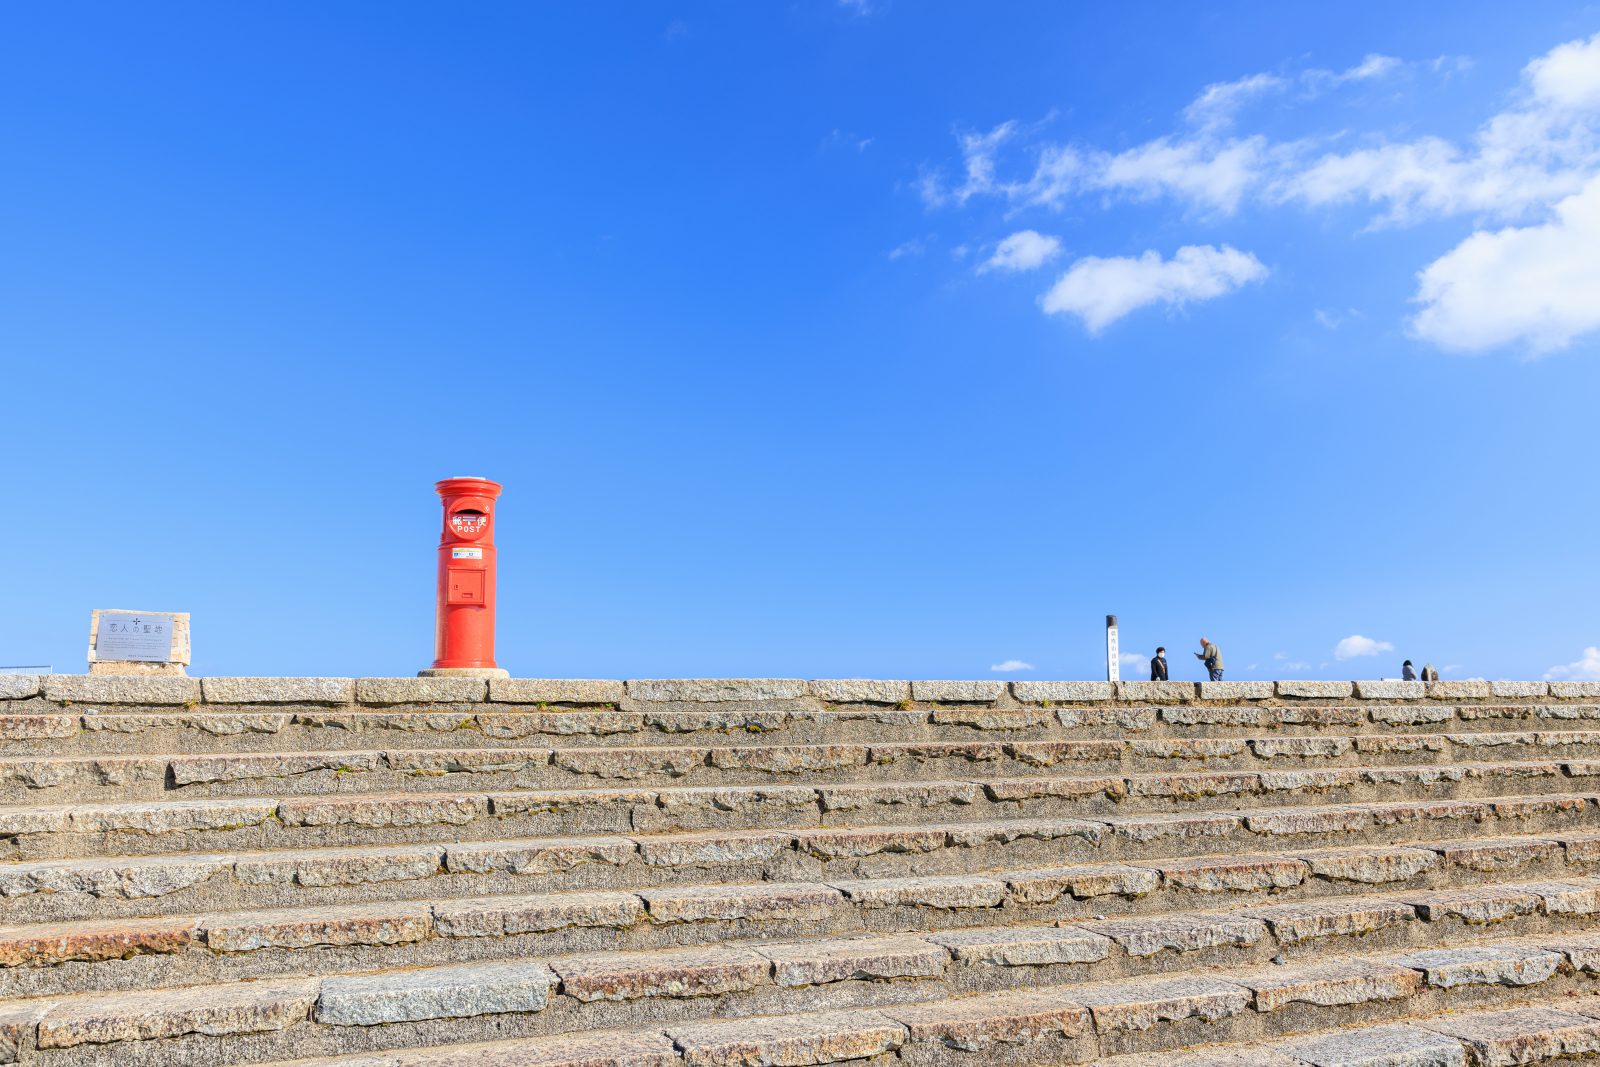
809,339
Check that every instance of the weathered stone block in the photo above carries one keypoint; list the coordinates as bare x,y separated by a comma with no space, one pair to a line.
1236,690
1024,946
1097,880
1140,1003
1459,689
973,1024
372,811
1520,1035
1064,692
785,1040
1156,692
1146,936
953,892
539,913
1218,874
1311,919
301,928
1514,690
712,690
121,689
855,959
674,973
241,1008
555,691
853,842
1330,984
1371,866
278,690
713,848
1389,689
1574,690
860,690
421,690
947,692
1447,968
454,992
764,902
20,686
1477,906
1316,690
51,944
538,856
1379,1046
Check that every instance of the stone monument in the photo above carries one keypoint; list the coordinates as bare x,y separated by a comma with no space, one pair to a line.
138,642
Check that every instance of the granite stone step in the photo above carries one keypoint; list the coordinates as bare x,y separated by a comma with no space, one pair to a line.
1338,800
729,1005
1312,902
91,729
1386,845
35,779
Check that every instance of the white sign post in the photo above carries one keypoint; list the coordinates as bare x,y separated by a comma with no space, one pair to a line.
1113,662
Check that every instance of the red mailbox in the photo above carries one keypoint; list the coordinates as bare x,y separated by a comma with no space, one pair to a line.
464,639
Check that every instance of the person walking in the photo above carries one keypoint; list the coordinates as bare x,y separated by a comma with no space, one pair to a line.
1211,656
1158,666
1407,673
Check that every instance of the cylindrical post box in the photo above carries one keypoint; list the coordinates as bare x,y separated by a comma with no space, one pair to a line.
464,632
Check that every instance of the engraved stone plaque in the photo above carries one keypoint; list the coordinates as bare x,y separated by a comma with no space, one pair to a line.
127,635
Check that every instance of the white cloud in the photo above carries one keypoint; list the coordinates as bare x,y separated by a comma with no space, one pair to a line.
1218,102
1023,250
1568,76
1101,291
1011,665
1530,165
1133,659
1356,645
1372,66
1585,668
914,247
1536,285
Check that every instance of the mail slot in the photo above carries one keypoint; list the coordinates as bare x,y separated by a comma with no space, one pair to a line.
464,630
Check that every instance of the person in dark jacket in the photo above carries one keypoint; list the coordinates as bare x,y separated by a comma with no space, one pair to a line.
1158,666
1407,672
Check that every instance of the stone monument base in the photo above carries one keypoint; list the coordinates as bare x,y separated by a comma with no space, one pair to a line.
464,672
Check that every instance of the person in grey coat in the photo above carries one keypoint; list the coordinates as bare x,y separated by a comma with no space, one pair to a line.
1211,656
1407,672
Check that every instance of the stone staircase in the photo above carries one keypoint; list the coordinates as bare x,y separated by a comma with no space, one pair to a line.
453,872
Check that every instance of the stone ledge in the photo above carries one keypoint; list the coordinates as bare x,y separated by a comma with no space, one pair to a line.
1458,690
555,691
1389,689
1323,690
952,692
121,689
20,686
860,690
421,690
1237,690
1156,692
715,690
278,690
1575,689
1064,692
1519,689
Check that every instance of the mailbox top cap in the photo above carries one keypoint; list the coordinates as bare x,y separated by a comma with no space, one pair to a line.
467,486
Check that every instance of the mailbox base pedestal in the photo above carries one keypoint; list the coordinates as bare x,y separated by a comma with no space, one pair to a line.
464,672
